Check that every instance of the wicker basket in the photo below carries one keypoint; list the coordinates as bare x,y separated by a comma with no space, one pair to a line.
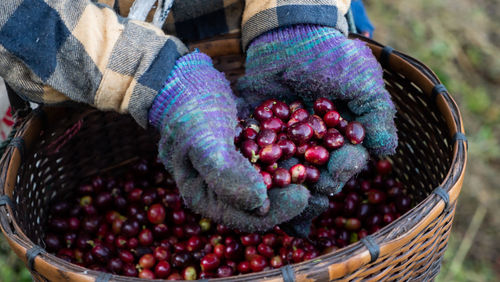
57,148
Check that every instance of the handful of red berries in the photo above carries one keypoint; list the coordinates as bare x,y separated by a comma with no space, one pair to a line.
278,132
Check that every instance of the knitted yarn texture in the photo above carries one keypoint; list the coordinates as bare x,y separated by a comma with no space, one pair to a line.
196,115
311,61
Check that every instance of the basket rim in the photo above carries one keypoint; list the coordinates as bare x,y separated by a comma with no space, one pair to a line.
345,260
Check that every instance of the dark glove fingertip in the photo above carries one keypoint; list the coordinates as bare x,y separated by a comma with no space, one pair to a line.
347,161
327,185
301,225
287,164
264,209
300,230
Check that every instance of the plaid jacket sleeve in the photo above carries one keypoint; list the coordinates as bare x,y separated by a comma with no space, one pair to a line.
56,50
261,16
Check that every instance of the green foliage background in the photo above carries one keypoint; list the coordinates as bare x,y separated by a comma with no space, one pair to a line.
460,41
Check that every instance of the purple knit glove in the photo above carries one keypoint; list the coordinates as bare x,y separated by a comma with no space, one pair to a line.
196,115
311,61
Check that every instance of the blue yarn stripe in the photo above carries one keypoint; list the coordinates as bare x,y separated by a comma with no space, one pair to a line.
303,52
278,64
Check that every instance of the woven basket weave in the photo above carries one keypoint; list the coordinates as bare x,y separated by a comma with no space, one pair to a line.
57,148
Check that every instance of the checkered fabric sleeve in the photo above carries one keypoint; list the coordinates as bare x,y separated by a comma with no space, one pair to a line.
261,16
57,50
198,19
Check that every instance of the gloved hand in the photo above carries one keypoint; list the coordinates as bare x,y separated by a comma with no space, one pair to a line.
196,115
308,62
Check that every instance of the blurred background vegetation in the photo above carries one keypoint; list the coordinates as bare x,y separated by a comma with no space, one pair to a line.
460,41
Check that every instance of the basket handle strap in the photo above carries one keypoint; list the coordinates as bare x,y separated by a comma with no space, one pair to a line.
443,195
6,200
31,254
5,144
20,109
384,56
18,142
19,106
288,273
372,246
461,137
439,89
103,277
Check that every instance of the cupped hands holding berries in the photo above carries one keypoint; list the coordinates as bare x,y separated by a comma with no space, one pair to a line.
196,116
311,62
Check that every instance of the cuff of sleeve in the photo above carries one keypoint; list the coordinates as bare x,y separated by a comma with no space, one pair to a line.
314,34
186,71
150,83
287,15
